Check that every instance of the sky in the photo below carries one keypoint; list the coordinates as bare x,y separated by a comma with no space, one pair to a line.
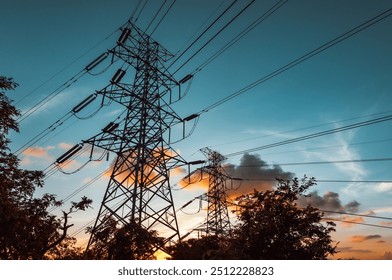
45,43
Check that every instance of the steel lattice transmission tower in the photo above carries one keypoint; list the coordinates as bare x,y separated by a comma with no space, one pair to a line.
218,220
139,190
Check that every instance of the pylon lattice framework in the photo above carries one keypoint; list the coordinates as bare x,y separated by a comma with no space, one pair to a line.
139,190
218,220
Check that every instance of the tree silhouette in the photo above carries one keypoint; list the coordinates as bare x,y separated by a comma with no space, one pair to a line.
205,248
27,229
272,225
123,242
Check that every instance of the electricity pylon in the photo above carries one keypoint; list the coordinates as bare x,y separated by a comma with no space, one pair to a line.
139,190
218,220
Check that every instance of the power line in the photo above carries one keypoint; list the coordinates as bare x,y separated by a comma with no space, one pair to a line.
357,223
355,214
141,10
300,129
67,66
314,135
201,26
156,14
66,85
343,221
204,32
303,58
216,35
135,10
331,147
319,162
249,28
318,180
163,17
83,187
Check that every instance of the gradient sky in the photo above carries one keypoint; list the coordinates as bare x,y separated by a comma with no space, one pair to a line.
347,83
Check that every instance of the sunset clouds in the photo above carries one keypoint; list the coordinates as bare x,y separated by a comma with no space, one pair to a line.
330,201
363,238
37,155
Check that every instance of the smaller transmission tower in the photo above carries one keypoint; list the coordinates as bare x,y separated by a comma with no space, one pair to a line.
218,221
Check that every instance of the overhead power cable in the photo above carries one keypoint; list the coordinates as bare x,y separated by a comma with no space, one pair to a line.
64,86
314,135
330,147
303,58
216,35
356,214
302,128
44,133
155,16
135,10
82,228
340,220
163,17
319,162
83,187
357,223
68,65
52,95
249,28
202,34
141,10
73,112
201,26
318,180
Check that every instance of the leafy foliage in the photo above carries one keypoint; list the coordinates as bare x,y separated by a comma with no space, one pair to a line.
27,229
205,248
125,242
7,111
270,226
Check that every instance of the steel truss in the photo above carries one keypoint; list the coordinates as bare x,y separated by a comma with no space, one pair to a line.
139,190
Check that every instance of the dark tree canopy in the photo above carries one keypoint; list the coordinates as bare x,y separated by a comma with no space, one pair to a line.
205,248
270,226
27,229
124,242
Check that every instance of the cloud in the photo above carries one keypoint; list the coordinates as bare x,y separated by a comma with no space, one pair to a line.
330,201
387,256
353,170
65,146
177,171
383,210
384,187
114,113
148,172
254,174
196,180
353,250
386,224
352,207
347,221
251,174
37,152
55,103
363,238
32,155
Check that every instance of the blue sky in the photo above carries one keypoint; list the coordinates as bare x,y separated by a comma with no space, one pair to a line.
347,83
